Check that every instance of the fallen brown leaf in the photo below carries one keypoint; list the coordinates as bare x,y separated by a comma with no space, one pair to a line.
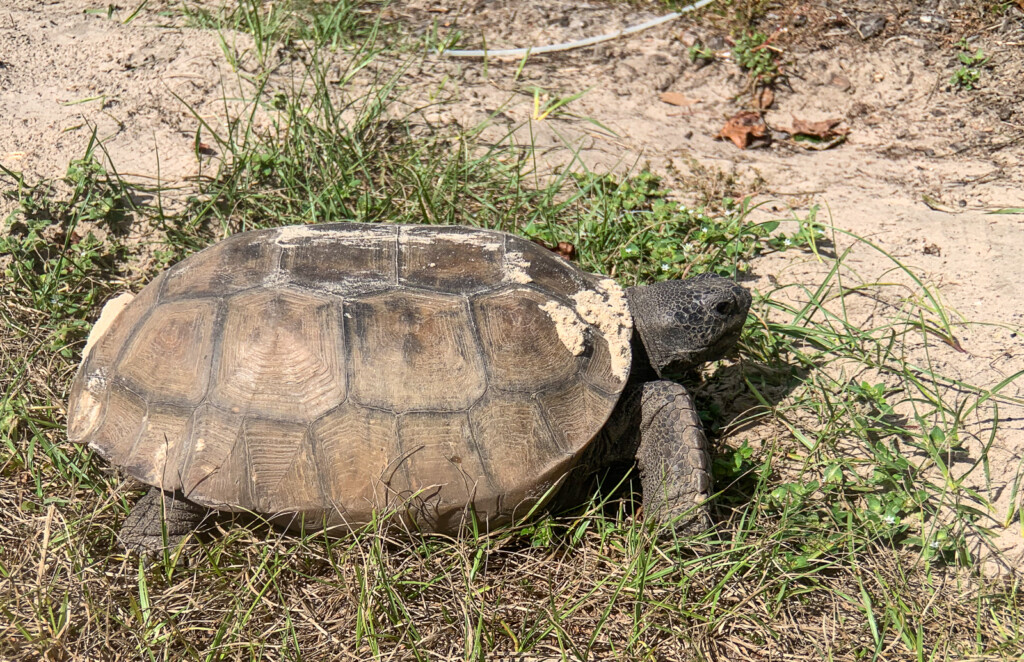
677,99
742,128
564,249
823,129
818,136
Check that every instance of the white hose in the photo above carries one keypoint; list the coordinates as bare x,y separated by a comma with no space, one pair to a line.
589,41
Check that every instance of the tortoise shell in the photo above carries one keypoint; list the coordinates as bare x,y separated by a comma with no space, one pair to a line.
324,373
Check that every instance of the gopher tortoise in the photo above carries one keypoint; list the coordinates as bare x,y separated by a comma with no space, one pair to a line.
433,377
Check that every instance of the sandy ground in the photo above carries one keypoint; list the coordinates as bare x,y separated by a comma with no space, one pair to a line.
67,69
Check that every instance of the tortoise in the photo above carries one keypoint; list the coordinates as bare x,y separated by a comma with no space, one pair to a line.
328,375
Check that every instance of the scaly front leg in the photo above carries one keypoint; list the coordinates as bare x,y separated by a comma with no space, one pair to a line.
674,459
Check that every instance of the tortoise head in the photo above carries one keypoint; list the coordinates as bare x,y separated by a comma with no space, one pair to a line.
684,323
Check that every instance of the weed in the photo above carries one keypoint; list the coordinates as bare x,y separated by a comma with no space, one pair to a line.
969,74
754,54
700,53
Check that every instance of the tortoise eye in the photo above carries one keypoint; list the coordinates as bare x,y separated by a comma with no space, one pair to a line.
724,308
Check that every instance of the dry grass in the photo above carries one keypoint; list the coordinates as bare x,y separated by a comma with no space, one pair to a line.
612,593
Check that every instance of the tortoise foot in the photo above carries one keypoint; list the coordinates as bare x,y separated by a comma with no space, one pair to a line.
159,520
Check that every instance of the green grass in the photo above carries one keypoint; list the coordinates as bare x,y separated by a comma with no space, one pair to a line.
843,522
286,24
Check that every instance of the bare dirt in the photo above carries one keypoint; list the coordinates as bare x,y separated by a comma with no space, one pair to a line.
921,168
67,70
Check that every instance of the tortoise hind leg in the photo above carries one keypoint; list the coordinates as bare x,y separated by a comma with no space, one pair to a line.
156,513
675,463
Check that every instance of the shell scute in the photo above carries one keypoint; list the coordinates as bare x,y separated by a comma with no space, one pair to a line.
156,455
571,410
107,341
443,469
239,262
214,469
520,341
545,270
450,259
124,416
359,458
412,350
282,472
169,357
343,258
282,356
521,451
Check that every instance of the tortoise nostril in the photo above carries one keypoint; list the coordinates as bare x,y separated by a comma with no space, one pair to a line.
725,308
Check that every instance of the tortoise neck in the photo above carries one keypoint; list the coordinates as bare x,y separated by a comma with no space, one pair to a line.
642,369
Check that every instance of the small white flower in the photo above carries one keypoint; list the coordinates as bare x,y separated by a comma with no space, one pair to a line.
788,241
704,228
889,519
664,267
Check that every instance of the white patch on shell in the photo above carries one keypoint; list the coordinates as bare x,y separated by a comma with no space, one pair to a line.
87,414
486,240
276,278
291,235
570,328
97,381
514,268
606,308
109,313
